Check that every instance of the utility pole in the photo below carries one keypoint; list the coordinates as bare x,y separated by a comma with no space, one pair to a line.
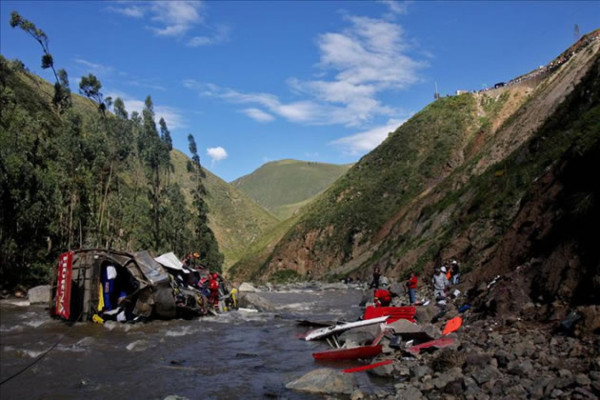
577,32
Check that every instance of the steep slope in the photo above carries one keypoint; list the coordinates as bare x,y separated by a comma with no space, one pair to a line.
235,219
282,187
450,181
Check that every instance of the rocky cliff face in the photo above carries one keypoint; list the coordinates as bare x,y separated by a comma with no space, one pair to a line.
515,190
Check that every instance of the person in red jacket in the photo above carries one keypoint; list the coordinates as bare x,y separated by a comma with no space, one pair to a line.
411,284
383,298
214,290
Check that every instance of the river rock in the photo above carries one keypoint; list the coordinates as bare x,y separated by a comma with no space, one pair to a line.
358,338
324,381
138,345
420,371
409,393
358,395
247,287
475,361
426,313
486,374
361,335
591,318
455,387
385,371
520,367
582,380
432,330
404,326
39,294
253,300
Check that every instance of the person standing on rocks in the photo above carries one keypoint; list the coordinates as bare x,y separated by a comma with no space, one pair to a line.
455,269
440,284
375,281
411,284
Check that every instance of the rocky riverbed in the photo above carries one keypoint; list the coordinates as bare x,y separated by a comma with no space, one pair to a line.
498,353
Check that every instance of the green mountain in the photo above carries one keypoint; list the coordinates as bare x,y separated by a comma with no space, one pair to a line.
498,179
236,220
284,186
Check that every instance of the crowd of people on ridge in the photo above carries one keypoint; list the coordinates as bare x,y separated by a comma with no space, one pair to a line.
444,277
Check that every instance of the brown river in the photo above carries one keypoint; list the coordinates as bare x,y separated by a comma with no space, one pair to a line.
235,355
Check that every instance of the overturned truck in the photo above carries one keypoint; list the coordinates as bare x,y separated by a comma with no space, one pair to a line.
100,284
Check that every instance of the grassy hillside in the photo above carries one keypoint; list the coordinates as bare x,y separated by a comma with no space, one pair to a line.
235,219
282,187
414,157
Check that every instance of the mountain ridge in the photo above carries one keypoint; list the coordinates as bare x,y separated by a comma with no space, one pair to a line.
284,186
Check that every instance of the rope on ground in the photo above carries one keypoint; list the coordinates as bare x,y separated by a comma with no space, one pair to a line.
40,357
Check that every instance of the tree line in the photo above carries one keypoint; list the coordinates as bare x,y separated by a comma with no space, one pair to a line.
77,178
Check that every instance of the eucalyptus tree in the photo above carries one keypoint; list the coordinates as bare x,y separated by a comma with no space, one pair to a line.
176,229
28,182
155,154
205,241
165,134
62,93
119,109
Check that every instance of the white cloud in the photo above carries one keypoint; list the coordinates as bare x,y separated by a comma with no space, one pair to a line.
258,115
371,52
130,11
220,35
356,65
175,17
144,83
178,19
396,7
94,68
216,154
366,141
308,112
172,116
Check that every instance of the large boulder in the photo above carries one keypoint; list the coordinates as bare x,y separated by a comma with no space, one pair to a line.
362,335
426,313
247,287
324,381
39,294
591,319
404,326
253,300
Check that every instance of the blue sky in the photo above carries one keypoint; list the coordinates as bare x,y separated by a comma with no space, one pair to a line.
258,81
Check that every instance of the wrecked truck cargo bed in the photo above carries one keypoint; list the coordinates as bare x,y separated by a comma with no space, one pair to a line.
100,284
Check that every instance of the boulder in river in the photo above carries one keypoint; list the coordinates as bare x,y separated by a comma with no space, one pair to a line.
362,335
325,381
39,294
253,300
247,287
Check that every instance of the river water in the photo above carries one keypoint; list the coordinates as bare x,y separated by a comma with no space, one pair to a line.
235,355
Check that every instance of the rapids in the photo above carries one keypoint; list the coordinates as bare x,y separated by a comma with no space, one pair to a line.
235,355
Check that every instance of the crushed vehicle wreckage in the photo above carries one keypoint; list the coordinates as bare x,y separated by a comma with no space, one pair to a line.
101,284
